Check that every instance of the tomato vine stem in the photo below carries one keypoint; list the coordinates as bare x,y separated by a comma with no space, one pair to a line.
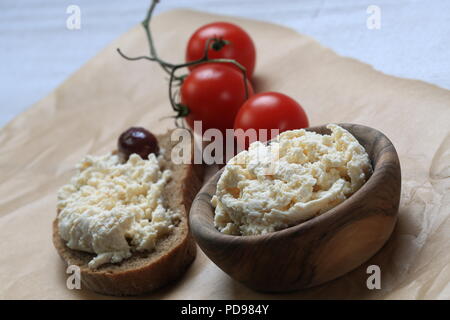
170,68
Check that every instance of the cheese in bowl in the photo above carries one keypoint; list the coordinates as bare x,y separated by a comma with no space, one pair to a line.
296,177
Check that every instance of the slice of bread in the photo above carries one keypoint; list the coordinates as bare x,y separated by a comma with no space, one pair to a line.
146,271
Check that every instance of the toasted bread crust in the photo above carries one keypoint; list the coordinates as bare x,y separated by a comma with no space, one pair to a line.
146,272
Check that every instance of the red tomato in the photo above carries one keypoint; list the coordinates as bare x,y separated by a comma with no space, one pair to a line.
270,110
240,48
214,93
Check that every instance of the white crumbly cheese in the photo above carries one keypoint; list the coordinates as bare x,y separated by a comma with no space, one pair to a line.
296,177
111,208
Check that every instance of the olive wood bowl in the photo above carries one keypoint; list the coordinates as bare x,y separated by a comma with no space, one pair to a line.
317,250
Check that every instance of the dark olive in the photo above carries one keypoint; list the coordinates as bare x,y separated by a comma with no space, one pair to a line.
137,140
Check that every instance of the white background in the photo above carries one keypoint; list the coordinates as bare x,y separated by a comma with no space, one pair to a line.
37,51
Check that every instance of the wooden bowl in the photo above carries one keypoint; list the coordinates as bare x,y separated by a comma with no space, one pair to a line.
320,249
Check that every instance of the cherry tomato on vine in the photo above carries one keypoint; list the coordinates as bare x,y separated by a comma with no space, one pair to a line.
240,46
213,94
270,110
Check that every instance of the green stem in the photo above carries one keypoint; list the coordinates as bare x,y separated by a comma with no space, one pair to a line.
146,25
170,68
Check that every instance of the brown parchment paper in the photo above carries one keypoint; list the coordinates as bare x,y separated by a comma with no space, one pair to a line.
85,115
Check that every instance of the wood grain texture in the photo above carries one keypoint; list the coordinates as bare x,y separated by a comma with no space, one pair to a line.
320,249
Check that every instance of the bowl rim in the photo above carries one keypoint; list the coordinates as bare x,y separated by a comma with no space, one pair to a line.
335,213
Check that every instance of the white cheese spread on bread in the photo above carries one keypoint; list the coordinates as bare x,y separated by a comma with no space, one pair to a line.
112,209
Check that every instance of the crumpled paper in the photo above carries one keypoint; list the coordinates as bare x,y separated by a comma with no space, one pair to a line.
85,115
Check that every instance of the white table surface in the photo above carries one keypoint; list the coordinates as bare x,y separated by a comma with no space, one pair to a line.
38,52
